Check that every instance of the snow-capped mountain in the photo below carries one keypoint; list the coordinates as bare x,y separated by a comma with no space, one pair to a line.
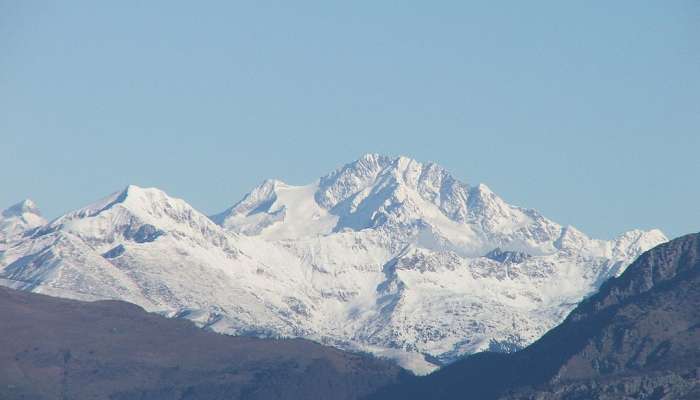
18,219
414,259
143,246
385,255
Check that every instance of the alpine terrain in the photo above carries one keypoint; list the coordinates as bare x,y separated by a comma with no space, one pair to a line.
638,338
384,255
18,220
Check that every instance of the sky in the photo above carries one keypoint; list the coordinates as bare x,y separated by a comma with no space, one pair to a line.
587,111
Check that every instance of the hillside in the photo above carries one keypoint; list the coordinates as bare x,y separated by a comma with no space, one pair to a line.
638,338
53,348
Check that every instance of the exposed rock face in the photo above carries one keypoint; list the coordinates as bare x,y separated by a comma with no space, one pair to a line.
54,348
512,257
638,338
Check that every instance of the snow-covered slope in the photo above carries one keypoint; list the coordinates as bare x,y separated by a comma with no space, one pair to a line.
143,246
386,255
408,257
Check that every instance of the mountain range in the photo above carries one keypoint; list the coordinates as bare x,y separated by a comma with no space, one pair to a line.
384,255
638,338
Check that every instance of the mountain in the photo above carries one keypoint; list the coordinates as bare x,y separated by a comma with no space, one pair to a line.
637,338
144,247
412,258
53,348
18,219
384,255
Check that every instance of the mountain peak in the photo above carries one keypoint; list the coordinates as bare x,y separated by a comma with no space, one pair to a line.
140,196
378,189
376,161
368,171
18,219
131,188
272,184
134,190
137,214
137,200
130,195
483,188
263,194
26,206
374,158
367,164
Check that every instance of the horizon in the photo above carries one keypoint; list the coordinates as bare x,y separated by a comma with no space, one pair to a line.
595,128
211,214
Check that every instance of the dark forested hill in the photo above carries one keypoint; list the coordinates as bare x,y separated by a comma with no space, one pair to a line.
54,348
638,338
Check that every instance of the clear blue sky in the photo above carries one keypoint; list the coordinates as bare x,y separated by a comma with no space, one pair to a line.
588,111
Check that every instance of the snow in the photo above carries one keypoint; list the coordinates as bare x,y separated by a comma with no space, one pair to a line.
274,201
18,219
384,255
